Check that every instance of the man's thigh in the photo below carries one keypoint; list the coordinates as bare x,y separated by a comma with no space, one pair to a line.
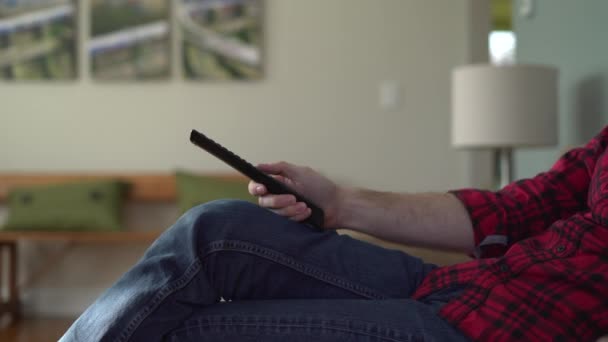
317,320
242,238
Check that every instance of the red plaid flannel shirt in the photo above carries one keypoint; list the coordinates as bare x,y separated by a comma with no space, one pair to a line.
542,248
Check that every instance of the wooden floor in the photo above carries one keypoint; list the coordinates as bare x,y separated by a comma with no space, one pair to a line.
34,330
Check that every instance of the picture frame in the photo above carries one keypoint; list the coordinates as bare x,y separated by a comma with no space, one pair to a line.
130,40
38,40
221,39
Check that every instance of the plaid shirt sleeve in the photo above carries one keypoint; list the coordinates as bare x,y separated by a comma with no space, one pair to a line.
527,207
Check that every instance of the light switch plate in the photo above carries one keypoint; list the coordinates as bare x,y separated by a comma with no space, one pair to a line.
389,95
526,8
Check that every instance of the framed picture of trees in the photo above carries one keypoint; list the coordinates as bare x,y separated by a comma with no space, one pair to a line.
221,39
130,39
38,39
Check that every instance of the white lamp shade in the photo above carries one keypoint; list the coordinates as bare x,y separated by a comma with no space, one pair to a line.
504,106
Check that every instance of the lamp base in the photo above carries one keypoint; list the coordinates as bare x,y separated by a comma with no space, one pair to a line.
505,165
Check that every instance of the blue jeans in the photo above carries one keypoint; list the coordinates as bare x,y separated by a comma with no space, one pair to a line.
281,280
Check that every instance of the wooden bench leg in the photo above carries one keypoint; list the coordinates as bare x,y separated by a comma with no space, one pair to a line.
14,302
8,278
4,307
2,281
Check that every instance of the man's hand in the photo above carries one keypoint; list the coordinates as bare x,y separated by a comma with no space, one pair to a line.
307,182
432,220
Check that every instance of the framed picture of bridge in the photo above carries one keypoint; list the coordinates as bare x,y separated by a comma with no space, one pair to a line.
37,39
130,39
221,39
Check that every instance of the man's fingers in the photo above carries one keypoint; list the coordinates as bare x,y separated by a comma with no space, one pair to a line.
275,168
302,216
277,201
292,211
283,179
256,189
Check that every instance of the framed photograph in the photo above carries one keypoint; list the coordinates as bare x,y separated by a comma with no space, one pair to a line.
222,39
37,39
130,39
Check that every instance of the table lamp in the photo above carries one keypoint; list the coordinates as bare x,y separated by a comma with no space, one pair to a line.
502,107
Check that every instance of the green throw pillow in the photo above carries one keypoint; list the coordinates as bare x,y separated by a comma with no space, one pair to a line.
82,206
193,189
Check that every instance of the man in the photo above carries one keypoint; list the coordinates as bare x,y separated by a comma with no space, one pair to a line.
541,272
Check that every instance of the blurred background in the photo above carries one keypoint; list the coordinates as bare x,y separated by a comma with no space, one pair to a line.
358,89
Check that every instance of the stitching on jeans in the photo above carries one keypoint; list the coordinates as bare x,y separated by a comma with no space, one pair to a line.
242,246
327,326
158,298
288,261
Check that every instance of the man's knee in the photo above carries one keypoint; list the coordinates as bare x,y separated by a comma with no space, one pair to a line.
223,219
222,209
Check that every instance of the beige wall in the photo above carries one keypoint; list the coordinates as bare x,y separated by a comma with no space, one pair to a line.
318,105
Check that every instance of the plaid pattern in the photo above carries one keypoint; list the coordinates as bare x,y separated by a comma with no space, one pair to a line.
542,248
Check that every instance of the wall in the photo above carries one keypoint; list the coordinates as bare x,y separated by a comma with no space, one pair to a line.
318,105
569,35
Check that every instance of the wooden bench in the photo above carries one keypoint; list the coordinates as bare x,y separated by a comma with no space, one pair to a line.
145,188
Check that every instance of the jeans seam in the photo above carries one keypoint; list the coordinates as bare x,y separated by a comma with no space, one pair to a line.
290,262
162,294
327,327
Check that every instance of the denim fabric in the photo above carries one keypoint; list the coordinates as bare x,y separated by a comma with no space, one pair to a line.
281,280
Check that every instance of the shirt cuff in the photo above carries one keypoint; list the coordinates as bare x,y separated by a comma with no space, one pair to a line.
483,211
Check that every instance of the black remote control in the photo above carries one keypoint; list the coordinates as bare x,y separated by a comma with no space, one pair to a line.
244,167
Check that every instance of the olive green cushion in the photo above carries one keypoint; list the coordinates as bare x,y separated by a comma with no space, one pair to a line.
193,189
81,206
